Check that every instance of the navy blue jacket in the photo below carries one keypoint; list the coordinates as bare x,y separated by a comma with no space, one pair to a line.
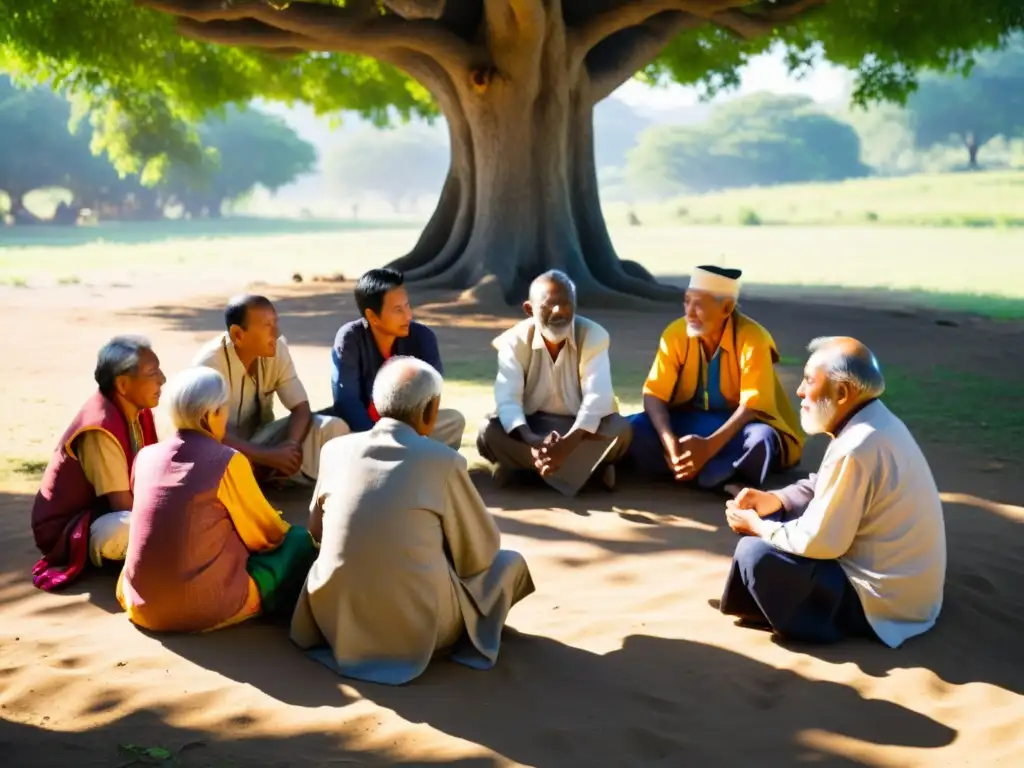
355,361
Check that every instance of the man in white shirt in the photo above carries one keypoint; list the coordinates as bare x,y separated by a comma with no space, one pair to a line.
557,414
857,549
254,360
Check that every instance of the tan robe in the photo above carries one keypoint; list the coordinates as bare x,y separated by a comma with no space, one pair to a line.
410,561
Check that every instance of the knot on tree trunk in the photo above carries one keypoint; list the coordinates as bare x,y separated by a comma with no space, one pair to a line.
480,78
415,9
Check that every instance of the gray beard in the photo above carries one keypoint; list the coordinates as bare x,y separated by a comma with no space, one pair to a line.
817,420
555,335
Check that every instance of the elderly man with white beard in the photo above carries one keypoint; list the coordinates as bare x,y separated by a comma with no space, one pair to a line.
557,414
714,409
857,549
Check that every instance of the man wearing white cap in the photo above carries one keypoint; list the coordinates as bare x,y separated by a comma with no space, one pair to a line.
714,409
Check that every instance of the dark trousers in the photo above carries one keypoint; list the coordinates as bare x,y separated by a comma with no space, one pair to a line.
799,598
747,458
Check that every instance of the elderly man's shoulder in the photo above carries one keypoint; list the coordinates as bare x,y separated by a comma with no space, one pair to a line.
517,334
876,429
213,353
751,328
595,331
354,445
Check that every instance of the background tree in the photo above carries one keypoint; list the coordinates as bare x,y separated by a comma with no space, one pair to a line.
516,81
245,149
761,140
35,145
398,166
989,103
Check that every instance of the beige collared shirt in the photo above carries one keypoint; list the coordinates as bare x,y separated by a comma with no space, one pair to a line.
251,403
874,506
560,388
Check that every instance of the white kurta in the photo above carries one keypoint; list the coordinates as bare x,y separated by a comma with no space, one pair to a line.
873,506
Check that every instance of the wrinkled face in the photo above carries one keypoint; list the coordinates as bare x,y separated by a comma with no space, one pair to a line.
259,337
705,313
818,406
217,422
142,388
553,308
395,314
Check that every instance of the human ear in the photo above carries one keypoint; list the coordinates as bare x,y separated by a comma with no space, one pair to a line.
430,412
528,308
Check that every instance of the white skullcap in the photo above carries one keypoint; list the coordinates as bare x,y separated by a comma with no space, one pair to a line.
702,279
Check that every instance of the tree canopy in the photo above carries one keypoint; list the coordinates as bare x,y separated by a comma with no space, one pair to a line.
244,148
989,103
131,65
760,140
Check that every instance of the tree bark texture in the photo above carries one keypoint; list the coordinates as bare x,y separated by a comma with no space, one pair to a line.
517,82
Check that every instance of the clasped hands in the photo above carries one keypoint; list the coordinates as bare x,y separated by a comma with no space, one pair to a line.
744,513
686,456
549,452
285,458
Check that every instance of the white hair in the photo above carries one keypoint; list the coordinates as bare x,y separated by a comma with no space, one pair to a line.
860,371
558,277
194,393
118,357
404,387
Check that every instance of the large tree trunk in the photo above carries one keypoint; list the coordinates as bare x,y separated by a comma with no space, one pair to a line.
521,195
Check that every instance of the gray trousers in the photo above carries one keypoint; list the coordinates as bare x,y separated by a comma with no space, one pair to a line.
607,446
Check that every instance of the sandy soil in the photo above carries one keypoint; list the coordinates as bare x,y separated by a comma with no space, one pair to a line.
617,659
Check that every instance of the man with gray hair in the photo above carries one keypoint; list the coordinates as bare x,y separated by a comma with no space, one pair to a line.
82,509
857,549
410,560
714,409
557,414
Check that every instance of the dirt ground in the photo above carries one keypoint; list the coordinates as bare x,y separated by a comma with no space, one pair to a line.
616,660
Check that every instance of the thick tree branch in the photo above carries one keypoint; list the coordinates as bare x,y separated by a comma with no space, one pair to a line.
616,59
246,33
514,18
330,27
758,24
631,14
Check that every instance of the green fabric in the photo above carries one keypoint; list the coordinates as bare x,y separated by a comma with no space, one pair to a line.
280,574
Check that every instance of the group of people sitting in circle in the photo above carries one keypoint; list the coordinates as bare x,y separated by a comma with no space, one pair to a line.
401,560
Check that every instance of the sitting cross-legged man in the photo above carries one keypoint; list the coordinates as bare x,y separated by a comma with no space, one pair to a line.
254,359
384,329
82,511
714,409
410,563
857,549
557,414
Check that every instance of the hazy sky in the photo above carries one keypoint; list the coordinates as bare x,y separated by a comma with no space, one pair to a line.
825,83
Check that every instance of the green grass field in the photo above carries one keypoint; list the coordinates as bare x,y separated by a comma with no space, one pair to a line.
966,270
985,200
